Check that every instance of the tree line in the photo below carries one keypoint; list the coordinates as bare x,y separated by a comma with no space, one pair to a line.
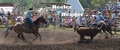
93,3
25,4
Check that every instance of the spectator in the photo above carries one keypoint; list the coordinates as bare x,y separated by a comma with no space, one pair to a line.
99,8
107,20
18,9
2,12
14,9
118,16
115,7
93,22
115,27
106,7
83,20
99,17
66,21
20,19
110,6
9,16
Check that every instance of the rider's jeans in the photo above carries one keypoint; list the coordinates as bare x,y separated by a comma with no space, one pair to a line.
29,21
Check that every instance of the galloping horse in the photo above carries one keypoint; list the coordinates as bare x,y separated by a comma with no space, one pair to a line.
20,28
105,27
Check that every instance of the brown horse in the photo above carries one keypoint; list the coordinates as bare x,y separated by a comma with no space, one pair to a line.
20,28
106,28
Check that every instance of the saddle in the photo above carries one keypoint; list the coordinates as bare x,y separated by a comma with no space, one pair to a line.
25,24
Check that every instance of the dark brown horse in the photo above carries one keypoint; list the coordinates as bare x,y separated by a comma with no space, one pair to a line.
20,28
105,28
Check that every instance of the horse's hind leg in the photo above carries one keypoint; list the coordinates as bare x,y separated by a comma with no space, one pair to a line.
18,36
25,39
6,33
21,37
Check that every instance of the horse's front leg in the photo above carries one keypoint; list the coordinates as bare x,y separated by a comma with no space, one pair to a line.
106,36
36,36
21,36
110,33
39,36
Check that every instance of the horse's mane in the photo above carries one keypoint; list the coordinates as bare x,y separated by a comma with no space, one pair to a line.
37,21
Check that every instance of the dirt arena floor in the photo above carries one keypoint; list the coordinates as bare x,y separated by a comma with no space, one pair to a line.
55,39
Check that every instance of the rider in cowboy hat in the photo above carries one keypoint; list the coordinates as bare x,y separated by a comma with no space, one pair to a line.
28,17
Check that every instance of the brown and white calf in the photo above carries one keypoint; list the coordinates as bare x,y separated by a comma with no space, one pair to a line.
87,31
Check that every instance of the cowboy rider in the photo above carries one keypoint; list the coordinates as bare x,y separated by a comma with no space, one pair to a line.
28,17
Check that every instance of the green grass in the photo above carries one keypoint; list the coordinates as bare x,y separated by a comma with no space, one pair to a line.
2,26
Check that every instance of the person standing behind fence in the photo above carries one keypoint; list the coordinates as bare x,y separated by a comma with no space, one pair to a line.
18,9
2,12
99,17
110,6
99,8
14,12
83,20
9,16
93,22
115,27
20,19
118,5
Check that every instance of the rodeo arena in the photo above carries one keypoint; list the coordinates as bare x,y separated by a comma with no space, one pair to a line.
60,26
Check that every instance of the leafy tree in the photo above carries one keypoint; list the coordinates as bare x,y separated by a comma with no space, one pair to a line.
86,3
97,2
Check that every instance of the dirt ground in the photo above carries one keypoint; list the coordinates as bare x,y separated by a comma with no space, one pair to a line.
53,39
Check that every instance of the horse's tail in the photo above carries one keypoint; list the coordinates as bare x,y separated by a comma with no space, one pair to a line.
7,31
